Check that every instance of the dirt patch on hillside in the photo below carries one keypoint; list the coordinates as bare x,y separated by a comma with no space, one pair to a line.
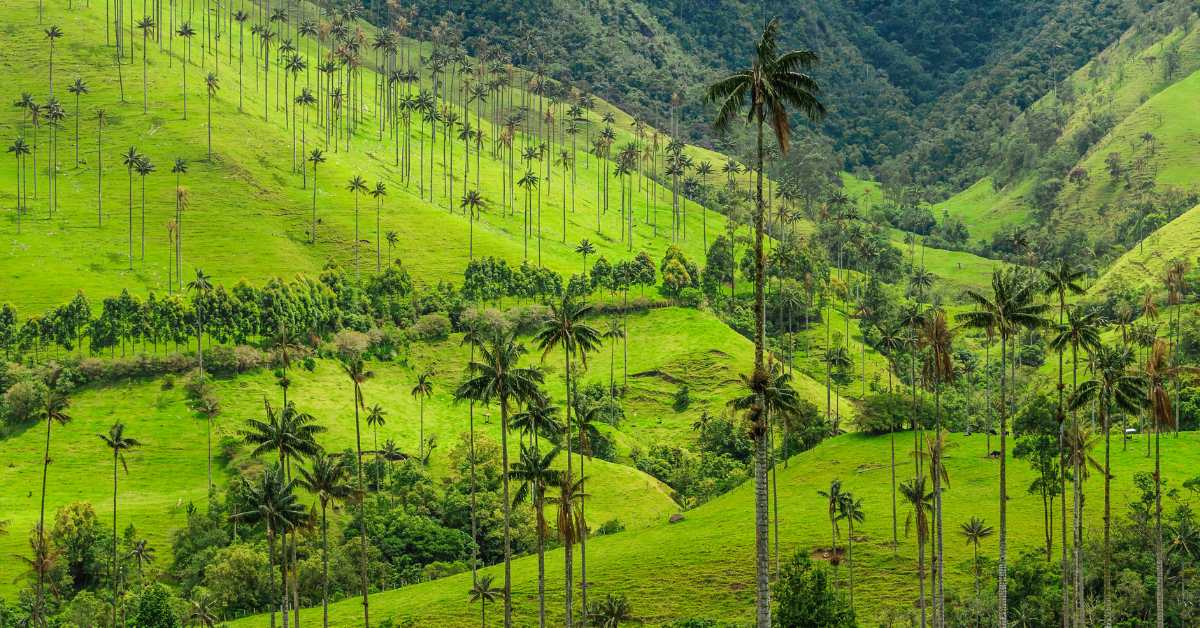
720,354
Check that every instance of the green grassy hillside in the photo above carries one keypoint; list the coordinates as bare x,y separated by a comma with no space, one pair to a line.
249,215
1126,84
702,566
1145,264
667,347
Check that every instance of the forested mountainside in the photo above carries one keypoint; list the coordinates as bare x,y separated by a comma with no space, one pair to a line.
927,87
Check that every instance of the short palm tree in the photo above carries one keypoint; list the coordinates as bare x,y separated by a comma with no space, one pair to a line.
585,249
612,611
921,504
202,609
498,376
376,417
143,166
119,444
391,454
143,553
326,480
356,186
52,34
483,593
975,531
834,498
423,390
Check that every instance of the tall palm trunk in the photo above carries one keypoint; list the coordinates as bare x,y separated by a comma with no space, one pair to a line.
324,566
507,509
1160,593
761,523
362,517
1003,567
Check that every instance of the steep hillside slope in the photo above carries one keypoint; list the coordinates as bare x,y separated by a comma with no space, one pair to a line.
1180,239
1138,86
248,213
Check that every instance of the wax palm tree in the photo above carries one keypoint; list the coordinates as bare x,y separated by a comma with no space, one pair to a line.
119,444
130,160
143,167
585,248
376,417
891,343
379,192
358,375
566,328
78,88
393,240
52,34
472,201
483,593
356,186
851,511
1160,373
327,481
497,376
273,502
187,32
536,476
1011,307
212,84
317,156
571,525
53,410
1113,387
202,609
834,358
833,498
306,100
614,332
540,418
203,287
146,24
1081,331
391,454
141,551
975,532
936,339
19,149
423,390
921,505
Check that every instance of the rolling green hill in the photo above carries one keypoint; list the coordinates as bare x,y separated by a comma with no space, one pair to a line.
249,215
702,566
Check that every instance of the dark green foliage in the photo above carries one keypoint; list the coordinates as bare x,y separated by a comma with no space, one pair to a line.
805,598
155,608
877,413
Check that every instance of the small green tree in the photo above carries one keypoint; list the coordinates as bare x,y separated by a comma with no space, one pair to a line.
805,599
155,609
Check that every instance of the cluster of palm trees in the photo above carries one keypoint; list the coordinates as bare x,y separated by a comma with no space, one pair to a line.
432,79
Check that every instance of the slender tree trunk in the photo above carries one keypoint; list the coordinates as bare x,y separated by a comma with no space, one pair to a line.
1003,566
507,509
761,529
362,517
324,566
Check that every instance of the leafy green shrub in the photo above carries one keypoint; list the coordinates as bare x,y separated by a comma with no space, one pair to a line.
612,526
691,297
683,398
806,600
24,398
309,364
432,325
